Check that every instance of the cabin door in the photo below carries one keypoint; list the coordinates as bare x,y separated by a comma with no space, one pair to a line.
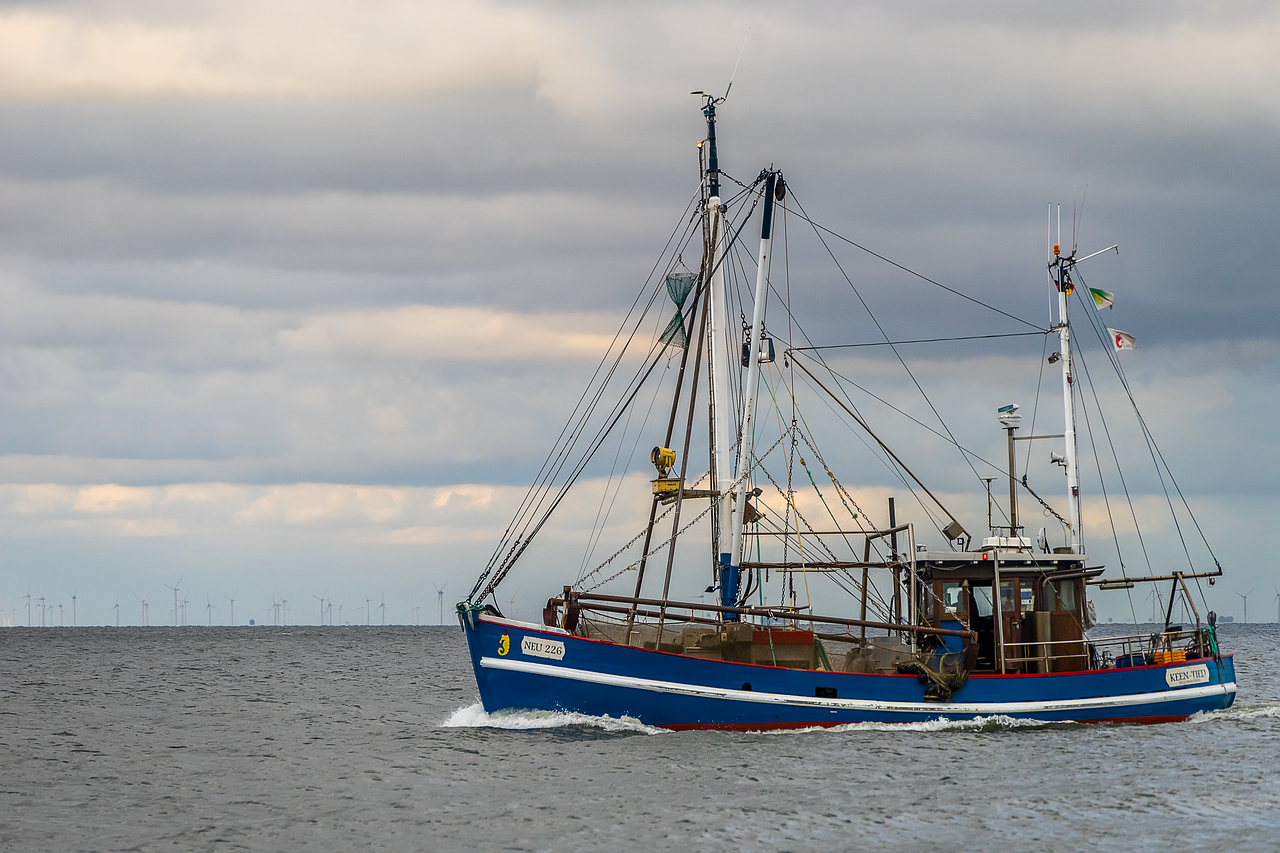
982,620
1016,598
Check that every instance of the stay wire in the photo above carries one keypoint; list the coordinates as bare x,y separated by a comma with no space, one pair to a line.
1154,449
522,540
1035,407
1157,459
878,453
540,483
1102,486
818,231
921,341
906,269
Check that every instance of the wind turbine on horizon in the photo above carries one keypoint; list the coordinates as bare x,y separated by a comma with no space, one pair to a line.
1157,601
175,600
440,597
232,599
1245,599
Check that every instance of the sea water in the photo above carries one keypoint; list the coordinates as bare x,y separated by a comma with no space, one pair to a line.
353,738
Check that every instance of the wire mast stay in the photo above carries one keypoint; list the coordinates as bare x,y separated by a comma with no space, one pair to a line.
730,573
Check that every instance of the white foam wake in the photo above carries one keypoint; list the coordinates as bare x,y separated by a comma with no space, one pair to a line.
998,722
1239,712
474,716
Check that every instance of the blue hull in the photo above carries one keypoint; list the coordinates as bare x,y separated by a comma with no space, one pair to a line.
523,666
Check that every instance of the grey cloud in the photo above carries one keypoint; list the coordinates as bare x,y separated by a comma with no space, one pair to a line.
154,251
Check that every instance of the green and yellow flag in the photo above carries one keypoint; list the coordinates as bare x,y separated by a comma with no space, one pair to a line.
1102,298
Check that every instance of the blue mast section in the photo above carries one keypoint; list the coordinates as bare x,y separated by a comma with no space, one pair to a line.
713,161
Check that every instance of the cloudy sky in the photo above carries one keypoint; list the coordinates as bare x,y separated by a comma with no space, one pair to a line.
296,294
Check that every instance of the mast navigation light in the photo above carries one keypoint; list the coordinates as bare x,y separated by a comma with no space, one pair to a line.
1055,358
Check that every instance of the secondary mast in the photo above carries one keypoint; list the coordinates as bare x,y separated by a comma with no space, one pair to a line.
730,573
1060,272
1060,277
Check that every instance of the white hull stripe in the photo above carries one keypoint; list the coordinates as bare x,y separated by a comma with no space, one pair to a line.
983,708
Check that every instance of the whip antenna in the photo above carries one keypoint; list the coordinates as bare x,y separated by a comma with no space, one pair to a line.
735,65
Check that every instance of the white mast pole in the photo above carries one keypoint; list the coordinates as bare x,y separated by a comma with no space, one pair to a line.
1061,268
729,576
717,361
1073,475
721,347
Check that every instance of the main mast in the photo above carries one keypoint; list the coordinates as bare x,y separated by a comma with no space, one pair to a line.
718,324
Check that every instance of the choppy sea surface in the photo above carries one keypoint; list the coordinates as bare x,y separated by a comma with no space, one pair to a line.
354,738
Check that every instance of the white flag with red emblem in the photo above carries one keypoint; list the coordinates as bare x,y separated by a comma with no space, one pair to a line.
1122,340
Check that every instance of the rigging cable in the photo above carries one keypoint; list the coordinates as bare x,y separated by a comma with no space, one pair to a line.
921,341
817,230
1154,449
598,528
880,454
1102,485
542,480
1035,408
905,269
524,538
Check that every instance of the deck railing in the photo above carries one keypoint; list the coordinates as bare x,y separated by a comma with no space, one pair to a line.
1161,647
1109,652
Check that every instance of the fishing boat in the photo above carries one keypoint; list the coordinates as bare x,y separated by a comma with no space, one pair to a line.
820,615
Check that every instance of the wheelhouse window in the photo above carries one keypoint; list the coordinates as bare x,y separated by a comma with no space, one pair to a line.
952,597
982,601
1066,594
